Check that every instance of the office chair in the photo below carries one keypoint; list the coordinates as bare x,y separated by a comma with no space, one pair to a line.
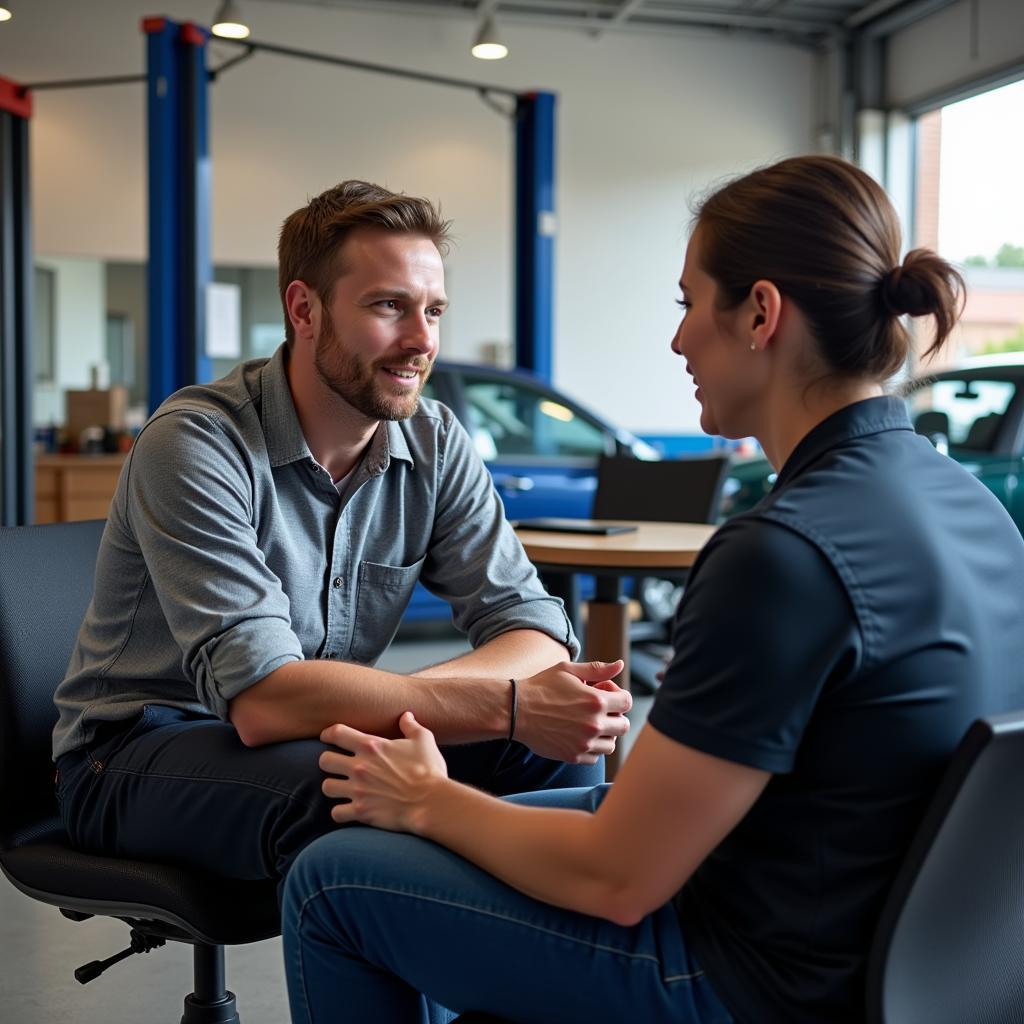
949,945
685,490
46,581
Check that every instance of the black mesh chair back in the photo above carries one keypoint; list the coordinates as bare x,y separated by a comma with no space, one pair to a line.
668,491
46,579
950,941
46,582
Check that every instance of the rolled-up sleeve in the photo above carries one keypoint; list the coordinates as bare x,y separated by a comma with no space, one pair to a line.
476,562
190,508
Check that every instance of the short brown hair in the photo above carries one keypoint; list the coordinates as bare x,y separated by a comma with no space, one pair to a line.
312,237
825,234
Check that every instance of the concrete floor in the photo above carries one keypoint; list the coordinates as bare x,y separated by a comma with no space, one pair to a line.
39,949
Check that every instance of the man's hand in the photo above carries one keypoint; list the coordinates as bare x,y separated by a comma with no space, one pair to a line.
383,781
573,712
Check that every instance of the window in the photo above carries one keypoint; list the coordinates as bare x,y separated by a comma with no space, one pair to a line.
967,413
969,159
509,419
44,328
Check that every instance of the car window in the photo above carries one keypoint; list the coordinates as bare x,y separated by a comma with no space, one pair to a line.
510,419
967,412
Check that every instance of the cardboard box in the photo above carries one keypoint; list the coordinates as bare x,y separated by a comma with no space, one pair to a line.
95,407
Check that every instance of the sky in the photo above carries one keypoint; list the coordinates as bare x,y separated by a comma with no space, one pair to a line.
981,183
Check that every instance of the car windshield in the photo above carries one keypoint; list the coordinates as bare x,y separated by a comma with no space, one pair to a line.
967,413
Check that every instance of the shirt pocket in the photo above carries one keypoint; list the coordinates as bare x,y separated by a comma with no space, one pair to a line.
384,592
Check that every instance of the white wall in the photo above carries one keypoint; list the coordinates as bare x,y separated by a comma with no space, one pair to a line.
644,122
79,321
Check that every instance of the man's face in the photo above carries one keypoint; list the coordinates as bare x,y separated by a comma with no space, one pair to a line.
379,333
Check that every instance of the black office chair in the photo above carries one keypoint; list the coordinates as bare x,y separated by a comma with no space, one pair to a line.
687,490
949,946
46,581
950,942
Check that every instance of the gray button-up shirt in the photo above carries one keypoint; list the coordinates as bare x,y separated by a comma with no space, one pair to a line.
229,552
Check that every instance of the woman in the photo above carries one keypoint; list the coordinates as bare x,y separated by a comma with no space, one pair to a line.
832,647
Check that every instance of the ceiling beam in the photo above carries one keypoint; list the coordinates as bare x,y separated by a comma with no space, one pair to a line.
574,16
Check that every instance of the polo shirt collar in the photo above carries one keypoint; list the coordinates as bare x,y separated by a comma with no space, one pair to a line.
869,416
283,432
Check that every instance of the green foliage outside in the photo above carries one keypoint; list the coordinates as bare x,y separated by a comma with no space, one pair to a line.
1011,344
1009,255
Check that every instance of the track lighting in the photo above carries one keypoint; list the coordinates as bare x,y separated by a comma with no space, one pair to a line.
228,22
487,45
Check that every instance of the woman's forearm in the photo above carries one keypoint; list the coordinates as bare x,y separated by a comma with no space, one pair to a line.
551,854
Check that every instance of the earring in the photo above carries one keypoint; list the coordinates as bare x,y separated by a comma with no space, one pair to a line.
753,346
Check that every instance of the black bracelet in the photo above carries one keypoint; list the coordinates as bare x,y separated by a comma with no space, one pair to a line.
512,716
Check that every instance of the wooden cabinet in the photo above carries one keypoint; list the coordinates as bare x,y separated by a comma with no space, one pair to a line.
74,487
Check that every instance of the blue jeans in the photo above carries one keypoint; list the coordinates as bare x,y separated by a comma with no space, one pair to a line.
383,927
181,788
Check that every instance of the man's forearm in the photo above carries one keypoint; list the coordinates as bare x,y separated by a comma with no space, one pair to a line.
300,699
517,653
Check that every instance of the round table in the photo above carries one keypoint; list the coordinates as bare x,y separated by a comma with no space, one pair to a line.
652,549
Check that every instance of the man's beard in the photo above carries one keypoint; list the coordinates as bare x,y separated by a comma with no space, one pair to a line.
358,383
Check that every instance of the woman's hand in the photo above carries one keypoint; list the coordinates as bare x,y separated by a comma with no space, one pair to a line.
382,782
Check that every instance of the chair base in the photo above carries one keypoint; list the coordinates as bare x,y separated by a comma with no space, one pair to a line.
222,1011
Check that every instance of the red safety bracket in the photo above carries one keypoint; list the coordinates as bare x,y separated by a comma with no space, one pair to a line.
192,34
14,99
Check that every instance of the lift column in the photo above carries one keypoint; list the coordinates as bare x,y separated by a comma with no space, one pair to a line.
16,470
535,232
179,205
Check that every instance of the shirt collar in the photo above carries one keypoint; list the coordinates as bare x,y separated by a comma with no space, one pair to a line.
869,416
281,428
283,432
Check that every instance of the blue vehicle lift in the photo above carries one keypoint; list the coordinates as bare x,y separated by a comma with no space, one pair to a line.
179,269
179,201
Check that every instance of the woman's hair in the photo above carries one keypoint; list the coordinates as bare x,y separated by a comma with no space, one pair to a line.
825,234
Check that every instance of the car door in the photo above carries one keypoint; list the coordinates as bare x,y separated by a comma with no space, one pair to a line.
541,448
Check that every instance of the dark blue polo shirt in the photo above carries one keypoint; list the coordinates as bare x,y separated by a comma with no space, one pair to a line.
842,635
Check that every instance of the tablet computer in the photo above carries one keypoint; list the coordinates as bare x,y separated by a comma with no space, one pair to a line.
556,525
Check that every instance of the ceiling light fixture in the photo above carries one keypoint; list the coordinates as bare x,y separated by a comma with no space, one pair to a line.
487,45
228,23
6,14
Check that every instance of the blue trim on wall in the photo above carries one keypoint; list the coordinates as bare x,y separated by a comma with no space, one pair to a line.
535,233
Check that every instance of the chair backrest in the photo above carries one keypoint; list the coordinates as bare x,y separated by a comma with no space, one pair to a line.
671,490
932,421
46,583
950,942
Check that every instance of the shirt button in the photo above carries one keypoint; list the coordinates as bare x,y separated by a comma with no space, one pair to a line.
337,582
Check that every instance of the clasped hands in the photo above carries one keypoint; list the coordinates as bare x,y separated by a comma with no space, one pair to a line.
569,712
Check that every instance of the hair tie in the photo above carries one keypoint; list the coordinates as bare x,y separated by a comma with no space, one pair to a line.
890,289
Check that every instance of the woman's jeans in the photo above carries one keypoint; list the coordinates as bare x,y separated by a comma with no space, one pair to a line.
388,928
183,789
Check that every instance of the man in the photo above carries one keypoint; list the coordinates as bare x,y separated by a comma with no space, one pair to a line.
262,545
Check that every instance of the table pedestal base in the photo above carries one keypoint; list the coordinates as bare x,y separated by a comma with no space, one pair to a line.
608,640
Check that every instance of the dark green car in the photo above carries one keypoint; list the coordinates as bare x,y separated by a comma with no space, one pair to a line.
974,412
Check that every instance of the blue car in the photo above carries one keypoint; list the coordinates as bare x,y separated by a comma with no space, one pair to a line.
540,446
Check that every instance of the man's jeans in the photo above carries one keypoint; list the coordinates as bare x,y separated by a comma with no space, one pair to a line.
184,789
385,928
